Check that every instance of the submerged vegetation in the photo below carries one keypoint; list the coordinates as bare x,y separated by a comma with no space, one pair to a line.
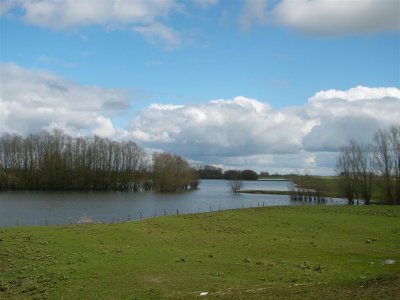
308,252
172,173
57,161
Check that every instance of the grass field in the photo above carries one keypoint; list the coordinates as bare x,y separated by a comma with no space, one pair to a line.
329,185
305,252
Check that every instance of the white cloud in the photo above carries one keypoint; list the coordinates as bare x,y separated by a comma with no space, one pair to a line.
157,106
226,127
243,132
143,15
205,3
104,127
357,93
332,17
238,132
32,100
253,11
350,114
156,32
70,13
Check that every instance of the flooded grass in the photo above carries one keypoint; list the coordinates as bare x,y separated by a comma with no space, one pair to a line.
272,252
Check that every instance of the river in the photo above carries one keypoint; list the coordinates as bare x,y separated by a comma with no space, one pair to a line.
42,208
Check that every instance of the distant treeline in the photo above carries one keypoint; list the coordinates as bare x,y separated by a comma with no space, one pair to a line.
57,161
361,167
211,172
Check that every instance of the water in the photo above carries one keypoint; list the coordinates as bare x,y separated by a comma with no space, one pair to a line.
41,208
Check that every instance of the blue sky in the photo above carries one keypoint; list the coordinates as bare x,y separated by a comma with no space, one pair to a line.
263,60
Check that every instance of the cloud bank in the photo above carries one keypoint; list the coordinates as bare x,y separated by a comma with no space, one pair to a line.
150,17
142,16
238,132
327,17
324,17
33,100
248,132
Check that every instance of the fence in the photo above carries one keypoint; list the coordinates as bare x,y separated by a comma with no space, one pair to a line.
141,214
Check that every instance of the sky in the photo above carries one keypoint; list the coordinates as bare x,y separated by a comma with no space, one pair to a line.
268,85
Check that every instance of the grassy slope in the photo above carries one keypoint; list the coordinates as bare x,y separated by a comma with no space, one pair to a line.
299,252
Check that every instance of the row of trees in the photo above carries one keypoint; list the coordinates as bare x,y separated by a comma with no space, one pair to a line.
56,161
172,173
211,172
361,167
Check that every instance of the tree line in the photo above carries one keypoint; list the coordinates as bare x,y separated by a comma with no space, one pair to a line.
363,167
57,161
211,172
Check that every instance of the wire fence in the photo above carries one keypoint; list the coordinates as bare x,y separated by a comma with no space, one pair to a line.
135,216
146,214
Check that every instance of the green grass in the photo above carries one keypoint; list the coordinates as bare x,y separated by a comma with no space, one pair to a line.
330,185
273,252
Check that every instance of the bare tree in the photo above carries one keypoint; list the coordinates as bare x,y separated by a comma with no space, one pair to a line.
56,161
394,137
236,185
363,166
235,182
355,167
385,161
345,170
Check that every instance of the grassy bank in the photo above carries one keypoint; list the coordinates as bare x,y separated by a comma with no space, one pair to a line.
265,192
330,185
280,252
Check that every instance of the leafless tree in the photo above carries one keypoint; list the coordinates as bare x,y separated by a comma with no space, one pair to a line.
387,162
236,185
345,168
395,143
56,161
355,167
363,167
235,182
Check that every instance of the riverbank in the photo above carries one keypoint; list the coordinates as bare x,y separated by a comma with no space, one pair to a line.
287,252
265,192
328,185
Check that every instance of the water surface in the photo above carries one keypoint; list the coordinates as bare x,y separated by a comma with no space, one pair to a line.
41,208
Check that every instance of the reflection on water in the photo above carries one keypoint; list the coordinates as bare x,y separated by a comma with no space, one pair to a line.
40,208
